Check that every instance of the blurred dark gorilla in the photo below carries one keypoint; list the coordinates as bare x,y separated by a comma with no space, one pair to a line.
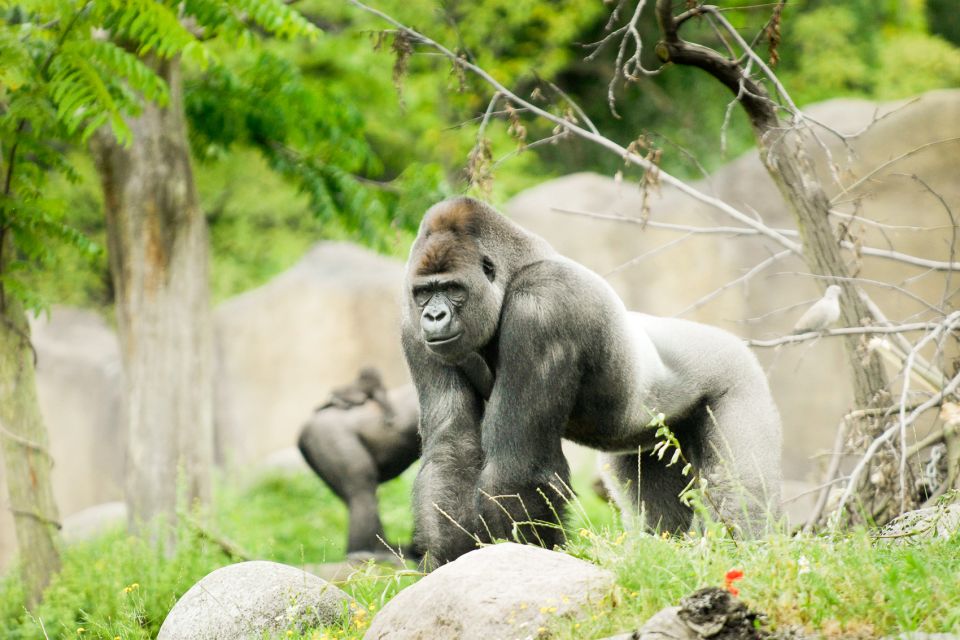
367,386
513,347
354,448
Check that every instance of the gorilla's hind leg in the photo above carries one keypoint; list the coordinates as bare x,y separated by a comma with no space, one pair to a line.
345,465
659,490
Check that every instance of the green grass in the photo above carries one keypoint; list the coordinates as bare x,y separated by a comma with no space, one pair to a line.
845,587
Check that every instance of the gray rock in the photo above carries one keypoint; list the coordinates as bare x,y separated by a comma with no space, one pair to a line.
502,591
94,521
282,347
249,599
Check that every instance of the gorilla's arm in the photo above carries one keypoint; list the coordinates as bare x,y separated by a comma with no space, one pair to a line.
479,374
538,375
443,491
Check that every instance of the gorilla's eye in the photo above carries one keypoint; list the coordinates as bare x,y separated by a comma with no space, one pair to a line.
422,296
488,269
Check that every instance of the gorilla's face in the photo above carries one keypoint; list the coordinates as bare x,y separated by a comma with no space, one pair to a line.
455,296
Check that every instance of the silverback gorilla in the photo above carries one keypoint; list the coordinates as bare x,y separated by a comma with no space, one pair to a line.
512,347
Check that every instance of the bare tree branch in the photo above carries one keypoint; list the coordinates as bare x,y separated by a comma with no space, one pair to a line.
744,278
880,440
889,162
845,331
573,128
888,254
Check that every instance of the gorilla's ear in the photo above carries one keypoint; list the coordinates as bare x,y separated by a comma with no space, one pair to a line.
488,268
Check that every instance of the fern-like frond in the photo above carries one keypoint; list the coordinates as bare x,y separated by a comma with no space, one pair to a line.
16,65
152,27
216,17
278,18
83,99
118,64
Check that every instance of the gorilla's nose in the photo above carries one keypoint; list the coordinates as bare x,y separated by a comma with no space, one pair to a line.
434,315
436,325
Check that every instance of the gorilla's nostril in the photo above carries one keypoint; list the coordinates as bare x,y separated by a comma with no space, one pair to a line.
435,316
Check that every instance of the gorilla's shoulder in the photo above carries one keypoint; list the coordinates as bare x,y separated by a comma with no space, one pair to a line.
557,291
551,276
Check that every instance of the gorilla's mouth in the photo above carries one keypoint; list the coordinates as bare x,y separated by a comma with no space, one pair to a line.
438,342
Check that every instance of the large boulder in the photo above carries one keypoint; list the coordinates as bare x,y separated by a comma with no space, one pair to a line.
251,599
94,521
80,387
668,272
282,347
502,591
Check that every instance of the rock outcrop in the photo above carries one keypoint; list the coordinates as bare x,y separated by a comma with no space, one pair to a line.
501,591
251,599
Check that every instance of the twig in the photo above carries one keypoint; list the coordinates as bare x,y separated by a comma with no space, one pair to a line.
744,278
889,162
647,254
573,128
748,50
933,375
935,265
876,118
878,283
576,107
953,227
227,546
622,64
882,225
947,325
729,231
24,442
937,436
491,106
845,331
36,516
880,440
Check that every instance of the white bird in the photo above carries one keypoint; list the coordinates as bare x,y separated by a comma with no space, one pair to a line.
822,314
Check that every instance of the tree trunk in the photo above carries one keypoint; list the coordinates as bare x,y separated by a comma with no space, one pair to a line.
25,451
157,241
783,154
790,167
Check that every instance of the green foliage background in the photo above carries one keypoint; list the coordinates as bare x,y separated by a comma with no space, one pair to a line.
338,137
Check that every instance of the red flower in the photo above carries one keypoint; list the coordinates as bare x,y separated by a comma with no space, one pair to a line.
732,576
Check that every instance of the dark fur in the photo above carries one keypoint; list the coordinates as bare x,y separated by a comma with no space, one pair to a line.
563,358
367,386
355,449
